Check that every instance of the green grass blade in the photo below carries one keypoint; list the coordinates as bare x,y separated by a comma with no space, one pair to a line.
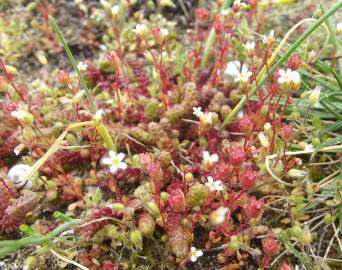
331,26
73,62
282,59
212,37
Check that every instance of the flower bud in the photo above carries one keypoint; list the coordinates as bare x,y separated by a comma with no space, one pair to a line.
160,34
115,11
312,56
285,266
219,28
295,173
202,14
63,77
263,140
254,207
306,237
218,216
270,246
248,179
314,96
286,132
295,62
113,60
328,219
246,125
177,200
237,156
339,29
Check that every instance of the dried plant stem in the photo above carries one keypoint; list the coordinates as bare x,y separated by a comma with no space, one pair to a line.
268,158
101,219
54,147
329,246
67,260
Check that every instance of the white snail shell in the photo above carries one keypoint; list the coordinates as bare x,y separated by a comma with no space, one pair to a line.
16,175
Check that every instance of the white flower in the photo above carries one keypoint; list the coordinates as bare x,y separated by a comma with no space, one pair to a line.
218,216
164,32
82,66
238,4
207,118
263,140
314,96
294,173
312,56
244,75
115,10
140,29
214,185
269,40
22,113
209,159
98,115
19,114
249,46
240,115
195,254
225,12
115,161
309,147
339,29
17,175
289,80
233,70
103,47
197,111
267,126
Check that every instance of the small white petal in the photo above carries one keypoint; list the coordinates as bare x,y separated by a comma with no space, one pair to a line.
112,154
214,157
206,155
199,253
107,161
113,168
120,156
122,165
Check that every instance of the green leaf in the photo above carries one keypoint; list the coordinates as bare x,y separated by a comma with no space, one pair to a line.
97,197
73,62
331,128
331,142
